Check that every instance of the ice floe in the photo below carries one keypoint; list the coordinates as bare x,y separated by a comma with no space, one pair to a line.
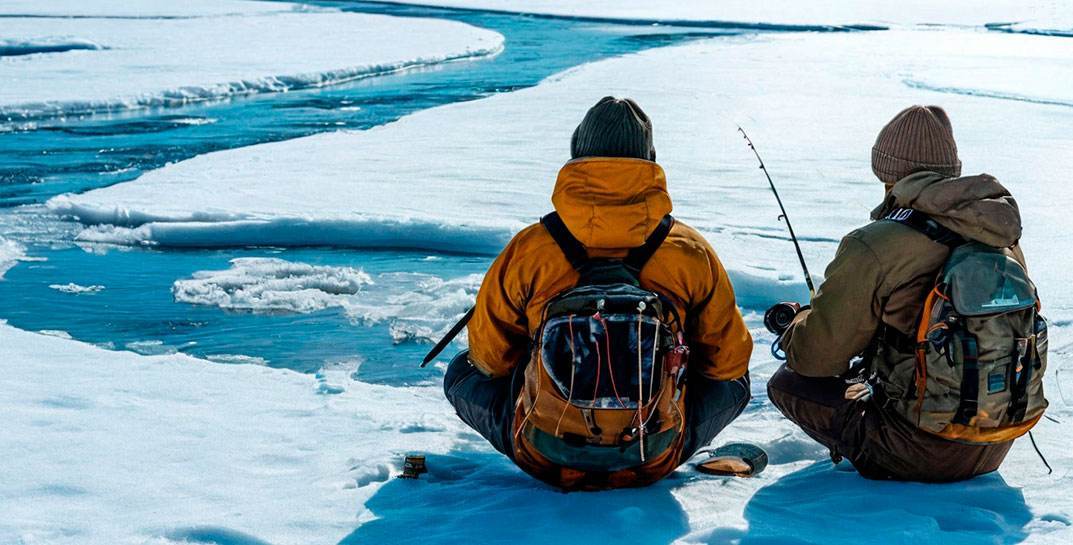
230,49
465,177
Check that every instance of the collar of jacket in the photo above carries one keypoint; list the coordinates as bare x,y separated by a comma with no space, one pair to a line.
976,207
611,202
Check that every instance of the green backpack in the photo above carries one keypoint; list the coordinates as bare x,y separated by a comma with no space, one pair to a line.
980,347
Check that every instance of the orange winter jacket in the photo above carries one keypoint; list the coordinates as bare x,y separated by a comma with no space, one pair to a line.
610,205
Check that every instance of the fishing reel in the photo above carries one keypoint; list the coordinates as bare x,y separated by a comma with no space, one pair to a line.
778,318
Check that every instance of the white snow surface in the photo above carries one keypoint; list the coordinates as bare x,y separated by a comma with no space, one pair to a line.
116,448
113,447
231,48
465,177
142,9
784,12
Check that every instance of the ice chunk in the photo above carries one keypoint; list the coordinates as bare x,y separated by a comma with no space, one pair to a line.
271,284
75,289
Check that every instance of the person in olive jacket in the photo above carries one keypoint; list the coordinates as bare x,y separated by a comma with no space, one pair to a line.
875,288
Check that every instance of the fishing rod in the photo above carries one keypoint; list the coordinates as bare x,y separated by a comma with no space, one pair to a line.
450,336
783,217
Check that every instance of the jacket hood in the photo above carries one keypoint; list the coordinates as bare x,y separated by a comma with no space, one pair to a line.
611,202
976,207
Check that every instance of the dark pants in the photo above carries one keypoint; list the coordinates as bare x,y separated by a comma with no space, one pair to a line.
487,404
879,443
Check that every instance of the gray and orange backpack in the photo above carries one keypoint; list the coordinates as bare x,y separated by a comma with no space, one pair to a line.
603,400
980,350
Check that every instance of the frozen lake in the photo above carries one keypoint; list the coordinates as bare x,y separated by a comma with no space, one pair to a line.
249,386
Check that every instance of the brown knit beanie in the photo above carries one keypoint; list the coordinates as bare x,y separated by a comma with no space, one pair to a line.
614,127
918,138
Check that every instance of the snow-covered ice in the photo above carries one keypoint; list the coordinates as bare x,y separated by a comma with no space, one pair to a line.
113,447
474,173
154,9
230,48
783,12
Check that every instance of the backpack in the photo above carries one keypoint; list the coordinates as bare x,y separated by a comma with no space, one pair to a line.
980,350
603,392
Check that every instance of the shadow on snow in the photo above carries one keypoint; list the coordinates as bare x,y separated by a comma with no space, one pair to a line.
482,499
822,504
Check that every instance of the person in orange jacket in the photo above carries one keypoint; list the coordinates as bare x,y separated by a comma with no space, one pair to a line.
611,196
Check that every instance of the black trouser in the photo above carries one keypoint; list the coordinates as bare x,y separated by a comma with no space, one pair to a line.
880,444
487,404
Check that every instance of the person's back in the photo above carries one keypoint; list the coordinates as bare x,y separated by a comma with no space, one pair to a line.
872,303
611,198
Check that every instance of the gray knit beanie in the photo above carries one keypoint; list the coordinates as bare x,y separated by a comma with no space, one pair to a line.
918,138
614,127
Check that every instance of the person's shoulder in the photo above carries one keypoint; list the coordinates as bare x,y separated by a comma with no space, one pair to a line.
688,247
685,237
530,239
882,236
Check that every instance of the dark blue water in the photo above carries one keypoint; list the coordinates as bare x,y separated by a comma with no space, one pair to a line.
136,309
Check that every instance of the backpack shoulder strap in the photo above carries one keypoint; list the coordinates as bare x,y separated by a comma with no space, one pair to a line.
926,225
637,257
572,248
578,256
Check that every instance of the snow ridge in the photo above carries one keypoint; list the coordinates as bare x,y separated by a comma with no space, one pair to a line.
188,94
14,48
968,91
